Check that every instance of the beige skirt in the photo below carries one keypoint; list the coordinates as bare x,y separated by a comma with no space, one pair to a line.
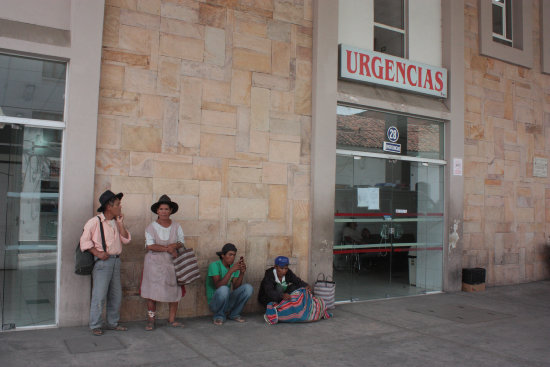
159,278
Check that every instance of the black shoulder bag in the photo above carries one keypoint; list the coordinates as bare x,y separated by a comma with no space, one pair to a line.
84,260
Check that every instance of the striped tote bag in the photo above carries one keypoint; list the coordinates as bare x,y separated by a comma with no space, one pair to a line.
187,267
325,288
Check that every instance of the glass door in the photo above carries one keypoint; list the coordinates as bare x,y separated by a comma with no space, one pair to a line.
29,198
388,227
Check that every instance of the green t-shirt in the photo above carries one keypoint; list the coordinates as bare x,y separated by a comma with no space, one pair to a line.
217,268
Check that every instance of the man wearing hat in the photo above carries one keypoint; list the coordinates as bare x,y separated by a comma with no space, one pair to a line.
223,275
106,273
279,281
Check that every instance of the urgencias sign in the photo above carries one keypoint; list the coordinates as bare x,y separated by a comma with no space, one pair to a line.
378,68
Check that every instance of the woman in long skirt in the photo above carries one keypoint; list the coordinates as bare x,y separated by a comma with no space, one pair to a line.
163,238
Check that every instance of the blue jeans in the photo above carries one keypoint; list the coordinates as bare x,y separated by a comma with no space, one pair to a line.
231,303
106,287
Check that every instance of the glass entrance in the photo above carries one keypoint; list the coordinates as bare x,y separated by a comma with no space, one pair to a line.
388,222
31,121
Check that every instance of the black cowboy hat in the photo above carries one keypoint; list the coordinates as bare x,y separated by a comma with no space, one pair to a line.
105,197
164,199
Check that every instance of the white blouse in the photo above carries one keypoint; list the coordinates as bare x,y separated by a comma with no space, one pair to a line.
163,233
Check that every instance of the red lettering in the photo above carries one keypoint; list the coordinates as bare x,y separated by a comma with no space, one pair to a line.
400,71
389,67
409,79
429,79
364,65
379,74
439,81
419,79
348,58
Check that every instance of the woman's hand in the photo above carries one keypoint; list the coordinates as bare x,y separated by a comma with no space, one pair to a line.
172,251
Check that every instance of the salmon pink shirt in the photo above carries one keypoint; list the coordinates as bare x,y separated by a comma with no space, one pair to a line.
91,237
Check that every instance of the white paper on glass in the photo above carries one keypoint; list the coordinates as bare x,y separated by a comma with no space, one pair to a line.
368,197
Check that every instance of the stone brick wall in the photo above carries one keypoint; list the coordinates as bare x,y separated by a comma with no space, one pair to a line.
209,102
507,124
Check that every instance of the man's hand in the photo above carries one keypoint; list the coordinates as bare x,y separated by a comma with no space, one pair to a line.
242,266
101,255
308,288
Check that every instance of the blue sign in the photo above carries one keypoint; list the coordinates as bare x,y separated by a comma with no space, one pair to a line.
393,134
392,147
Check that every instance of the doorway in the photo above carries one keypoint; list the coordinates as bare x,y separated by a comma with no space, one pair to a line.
389,208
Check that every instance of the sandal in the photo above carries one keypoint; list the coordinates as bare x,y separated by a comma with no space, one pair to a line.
175,324
97,332
150,321
117,328
218,322
150,324
238,319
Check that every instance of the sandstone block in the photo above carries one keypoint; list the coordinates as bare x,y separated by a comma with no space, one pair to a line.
242,209
139,19
151,107
189,13
302,97
258,29
274,173
108,133
190,100
188,209
176,186
203,70
250,42
284,152
216,91
247,190
280,54
189,135
209,200
207,169
220,146
249,60
218,118
282,101
278,30
211,15
163,169
181,47
241,83
132,185
112,77
277,201
140,81
214,46
112,162
269,81
245,174
170,122
117,107
291,11
168,81
141,164
134,39
149,6
111,24
259,113
127,58
259,142
182,28
141,139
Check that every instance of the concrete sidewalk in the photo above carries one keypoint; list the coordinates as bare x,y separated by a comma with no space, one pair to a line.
503,326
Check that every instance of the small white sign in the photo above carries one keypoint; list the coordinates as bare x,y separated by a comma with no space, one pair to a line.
540,167
401,211
393,134
457,167
368,197
392,147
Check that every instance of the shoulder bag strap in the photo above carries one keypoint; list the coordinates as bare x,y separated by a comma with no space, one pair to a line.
102,234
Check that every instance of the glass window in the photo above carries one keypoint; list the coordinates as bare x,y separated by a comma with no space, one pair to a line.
29,202
389,27
502,21
367,130
32,88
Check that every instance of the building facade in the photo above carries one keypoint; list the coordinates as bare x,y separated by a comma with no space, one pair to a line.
388,144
